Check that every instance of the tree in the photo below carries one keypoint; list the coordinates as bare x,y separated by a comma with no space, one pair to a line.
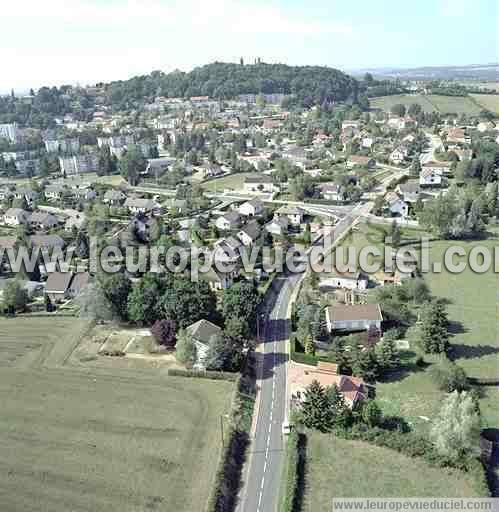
143,304
236,328
339,409
218,354
94,304
395,234
241,300
309,345
15,297
164,332
186,348
117,288
449,376
414,110
416,168
398,110
456,431
316,411
388,353
433,337
132,164
188,302
365,364
371,414
82,245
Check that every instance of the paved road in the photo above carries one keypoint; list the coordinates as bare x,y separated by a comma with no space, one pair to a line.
264,470
265,465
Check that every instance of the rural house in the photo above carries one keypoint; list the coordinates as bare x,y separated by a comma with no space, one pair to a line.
356,317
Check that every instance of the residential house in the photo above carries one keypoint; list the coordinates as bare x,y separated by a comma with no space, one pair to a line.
158,166
485,126
396,205
15,217
260,183
202,332
442,168
331,191
43,220
361,161
252,208
78,284
55,192
138,205
218,280
463,154
410,192
457,136
114,197
63,146
47,241
293,213
249,233
355,317
84,194
228,221
347,280
57,286
211,170
398,155
367,142
30,196
353,389
277,226
227,250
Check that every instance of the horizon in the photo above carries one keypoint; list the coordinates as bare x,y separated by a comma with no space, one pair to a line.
88,42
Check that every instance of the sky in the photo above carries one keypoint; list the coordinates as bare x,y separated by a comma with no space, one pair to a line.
87,41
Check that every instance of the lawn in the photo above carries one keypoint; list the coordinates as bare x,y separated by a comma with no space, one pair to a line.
232,182
429,103
100,439
336,468
488,101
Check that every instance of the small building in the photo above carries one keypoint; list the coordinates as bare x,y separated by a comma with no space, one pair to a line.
252,208
15,217
396,205
347,280
228,221
202,332
355,317
57,286
42,220
277,226
353,389
331,192
361,161
430,177
293,213
259,184
114,197
138,205
249,233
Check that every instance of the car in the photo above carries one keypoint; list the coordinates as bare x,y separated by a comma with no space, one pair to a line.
286,428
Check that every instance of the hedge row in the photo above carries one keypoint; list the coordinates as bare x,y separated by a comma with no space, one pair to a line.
413,445
291,490
203,374
230,466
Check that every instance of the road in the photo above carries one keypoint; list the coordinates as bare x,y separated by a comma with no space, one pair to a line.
265,464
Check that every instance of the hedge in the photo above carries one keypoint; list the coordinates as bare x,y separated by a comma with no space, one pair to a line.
203,374
294,472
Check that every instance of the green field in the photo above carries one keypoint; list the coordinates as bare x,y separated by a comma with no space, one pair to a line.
100,439
487,101
337,468
233,181
429,103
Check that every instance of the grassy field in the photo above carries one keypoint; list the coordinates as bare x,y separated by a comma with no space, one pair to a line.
100,439
350,469
429,103
387,102
488,101
232,181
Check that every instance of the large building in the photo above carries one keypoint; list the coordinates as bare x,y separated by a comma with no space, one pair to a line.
63,146
79,164
9,131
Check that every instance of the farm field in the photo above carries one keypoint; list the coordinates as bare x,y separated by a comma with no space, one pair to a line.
371,472
488,101
429,103
232,181
99,438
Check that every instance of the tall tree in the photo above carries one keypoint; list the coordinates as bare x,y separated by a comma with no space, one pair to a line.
456,431
316,412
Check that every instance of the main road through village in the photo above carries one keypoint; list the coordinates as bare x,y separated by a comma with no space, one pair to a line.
265,461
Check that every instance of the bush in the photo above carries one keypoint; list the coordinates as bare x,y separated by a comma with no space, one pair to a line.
449,377
294,472
203,374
